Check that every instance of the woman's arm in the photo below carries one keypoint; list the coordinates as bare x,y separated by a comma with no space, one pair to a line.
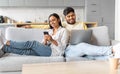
65,38
50,39
62,39
54,41
45,40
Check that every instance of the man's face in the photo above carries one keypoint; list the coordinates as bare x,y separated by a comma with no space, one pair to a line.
71,18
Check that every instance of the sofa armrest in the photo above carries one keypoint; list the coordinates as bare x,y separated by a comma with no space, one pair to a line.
113,42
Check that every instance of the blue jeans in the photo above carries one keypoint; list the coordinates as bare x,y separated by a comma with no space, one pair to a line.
28,48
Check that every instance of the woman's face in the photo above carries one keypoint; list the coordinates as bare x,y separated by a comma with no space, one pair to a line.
54,22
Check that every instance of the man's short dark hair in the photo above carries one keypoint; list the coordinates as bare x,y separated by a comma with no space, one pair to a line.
67,10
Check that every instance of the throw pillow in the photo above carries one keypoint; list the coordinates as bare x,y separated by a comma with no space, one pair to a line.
78,36
100,36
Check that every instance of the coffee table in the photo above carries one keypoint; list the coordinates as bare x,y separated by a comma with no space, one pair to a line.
80,67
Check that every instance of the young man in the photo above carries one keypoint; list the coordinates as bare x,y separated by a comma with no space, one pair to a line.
85,48
70,18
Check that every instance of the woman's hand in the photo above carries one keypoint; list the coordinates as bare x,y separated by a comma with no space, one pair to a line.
45,39
49,38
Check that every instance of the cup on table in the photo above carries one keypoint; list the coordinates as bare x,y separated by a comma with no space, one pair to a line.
113,63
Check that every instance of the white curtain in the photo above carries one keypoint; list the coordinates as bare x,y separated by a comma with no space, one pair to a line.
117,20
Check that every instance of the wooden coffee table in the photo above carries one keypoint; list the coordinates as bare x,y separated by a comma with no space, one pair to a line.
81,67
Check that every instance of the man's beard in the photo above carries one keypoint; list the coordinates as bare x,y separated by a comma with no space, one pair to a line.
72,22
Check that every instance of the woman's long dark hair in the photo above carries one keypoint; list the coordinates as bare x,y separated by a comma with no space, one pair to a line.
57,16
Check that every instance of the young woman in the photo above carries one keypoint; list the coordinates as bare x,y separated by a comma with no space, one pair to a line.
53,44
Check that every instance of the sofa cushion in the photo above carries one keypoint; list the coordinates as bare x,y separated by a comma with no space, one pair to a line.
78,36
100,36
22,34
19,72
87,58
14,62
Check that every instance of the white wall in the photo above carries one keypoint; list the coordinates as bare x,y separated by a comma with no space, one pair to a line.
117,20
36,14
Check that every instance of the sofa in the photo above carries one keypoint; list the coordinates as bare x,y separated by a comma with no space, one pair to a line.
12,63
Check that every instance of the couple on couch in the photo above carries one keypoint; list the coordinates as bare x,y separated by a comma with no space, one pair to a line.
54,43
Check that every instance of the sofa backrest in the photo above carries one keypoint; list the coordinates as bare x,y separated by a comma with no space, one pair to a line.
100,36
22,34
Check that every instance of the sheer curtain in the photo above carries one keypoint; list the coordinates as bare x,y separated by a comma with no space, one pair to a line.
117,20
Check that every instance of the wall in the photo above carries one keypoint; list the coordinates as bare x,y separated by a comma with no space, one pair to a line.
117,20
36,14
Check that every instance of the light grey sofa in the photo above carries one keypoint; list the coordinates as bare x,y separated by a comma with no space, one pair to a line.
12,63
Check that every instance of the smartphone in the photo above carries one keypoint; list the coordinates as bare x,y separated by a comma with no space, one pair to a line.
45,32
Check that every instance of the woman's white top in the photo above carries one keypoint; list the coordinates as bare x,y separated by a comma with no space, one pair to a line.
62,38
